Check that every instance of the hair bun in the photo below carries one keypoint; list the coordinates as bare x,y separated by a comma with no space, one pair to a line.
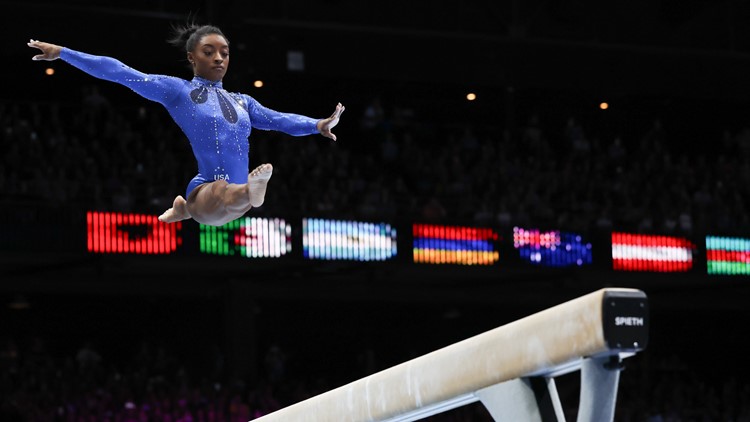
186,36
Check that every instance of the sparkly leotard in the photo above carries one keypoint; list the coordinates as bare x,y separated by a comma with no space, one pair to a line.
217,122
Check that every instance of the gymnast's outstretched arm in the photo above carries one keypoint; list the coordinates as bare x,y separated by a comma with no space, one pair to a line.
159,88
265,118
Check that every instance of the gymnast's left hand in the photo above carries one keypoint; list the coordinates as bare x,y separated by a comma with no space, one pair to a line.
325,125
49,51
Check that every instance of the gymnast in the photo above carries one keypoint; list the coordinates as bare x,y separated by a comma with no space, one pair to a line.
216,122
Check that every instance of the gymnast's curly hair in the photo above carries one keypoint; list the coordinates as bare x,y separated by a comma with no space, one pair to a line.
185,37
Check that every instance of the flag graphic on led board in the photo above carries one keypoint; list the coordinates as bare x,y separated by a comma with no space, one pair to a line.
347,240
727,255
435,244
114,232
639,252
248,237
551,248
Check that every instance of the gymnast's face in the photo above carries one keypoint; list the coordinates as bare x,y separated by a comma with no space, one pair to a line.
210,58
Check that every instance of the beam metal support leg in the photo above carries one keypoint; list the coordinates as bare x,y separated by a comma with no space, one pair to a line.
526,399
599,380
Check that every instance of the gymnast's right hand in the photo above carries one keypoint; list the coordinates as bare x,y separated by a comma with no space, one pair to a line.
50,51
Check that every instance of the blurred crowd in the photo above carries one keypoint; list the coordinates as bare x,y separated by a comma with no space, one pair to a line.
391,163
38,384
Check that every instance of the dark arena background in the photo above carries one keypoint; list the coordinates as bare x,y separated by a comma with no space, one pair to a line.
495,158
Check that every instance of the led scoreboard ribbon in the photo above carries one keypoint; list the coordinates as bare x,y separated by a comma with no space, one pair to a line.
251,237
347,240
727,255
435,244
551,248
639,252
112,232
248,237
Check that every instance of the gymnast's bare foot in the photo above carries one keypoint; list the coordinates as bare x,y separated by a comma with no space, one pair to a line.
178,212
256,183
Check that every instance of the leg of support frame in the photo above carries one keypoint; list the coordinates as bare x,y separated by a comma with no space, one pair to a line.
599,379
527,399
549,400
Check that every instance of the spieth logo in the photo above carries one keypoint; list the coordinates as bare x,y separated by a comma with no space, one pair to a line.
629,321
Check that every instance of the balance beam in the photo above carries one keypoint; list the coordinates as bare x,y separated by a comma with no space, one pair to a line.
592,333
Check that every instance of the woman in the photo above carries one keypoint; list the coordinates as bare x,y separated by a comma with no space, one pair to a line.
216,122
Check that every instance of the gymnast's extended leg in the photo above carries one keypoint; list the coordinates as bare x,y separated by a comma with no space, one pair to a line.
178,212
219,202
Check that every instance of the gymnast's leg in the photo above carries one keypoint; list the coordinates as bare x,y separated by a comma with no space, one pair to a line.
178,212
257,181
219,202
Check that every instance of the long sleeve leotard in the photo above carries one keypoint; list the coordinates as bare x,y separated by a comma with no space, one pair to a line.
216,122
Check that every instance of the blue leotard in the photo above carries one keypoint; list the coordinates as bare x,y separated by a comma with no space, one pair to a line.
216,122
